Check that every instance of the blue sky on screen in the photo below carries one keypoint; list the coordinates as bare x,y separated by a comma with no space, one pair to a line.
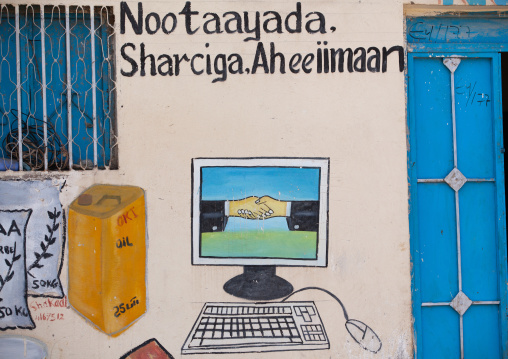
282,183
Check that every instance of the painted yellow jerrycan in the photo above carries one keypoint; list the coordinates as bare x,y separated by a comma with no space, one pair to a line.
107,256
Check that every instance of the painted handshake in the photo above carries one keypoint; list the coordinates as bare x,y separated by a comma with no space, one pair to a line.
257,208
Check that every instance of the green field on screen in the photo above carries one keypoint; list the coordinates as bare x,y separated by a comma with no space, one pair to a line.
256,244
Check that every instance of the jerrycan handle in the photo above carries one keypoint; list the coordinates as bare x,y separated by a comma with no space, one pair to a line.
109,197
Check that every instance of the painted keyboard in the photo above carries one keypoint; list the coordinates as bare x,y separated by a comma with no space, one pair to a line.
258,327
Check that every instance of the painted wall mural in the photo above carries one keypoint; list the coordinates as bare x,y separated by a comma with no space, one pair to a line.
325,58
16,346
260,213
107,256
14,311
45,236
32,241
150,349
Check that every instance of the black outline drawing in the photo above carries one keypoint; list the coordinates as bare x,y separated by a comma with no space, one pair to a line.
362,327
256,327
9,275
210,328
258,280
25,296
51,230
33,240
327,179
49,241
126,355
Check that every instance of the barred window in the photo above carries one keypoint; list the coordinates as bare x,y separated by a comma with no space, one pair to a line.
57,88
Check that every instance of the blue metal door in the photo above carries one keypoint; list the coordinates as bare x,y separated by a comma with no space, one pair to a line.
457,206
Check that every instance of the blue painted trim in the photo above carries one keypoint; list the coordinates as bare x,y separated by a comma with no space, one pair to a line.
413,214
500,192
501,205
451,48
464,29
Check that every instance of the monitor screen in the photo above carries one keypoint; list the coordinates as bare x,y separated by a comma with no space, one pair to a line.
260,211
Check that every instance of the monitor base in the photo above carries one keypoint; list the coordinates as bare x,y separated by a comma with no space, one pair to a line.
258,283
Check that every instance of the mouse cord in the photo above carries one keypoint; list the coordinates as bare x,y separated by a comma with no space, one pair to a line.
322,290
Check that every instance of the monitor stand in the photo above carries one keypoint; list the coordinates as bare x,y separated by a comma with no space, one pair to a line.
258,283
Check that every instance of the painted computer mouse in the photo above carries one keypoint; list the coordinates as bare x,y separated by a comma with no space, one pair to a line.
364,335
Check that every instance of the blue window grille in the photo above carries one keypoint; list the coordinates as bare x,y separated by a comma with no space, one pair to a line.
57,88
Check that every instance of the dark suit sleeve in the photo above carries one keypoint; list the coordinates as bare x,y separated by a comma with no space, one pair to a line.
304,216
212,216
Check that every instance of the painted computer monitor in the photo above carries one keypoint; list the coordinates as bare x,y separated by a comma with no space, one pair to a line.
260,213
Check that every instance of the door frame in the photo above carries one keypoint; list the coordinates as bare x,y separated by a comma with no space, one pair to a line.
471,50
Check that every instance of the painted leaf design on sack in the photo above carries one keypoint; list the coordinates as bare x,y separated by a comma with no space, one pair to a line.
47,242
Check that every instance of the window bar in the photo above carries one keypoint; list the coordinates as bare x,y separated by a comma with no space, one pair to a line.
457,212
477,302
44,98
439,180
452,63
18,89
94,86
69,85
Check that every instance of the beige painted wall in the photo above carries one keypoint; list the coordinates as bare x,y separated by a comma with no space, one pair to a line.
357,120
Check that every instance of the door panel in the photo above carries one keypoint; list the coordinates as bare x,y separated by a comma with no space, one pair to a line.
456,194
440,327
434,148
438,247
474,112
